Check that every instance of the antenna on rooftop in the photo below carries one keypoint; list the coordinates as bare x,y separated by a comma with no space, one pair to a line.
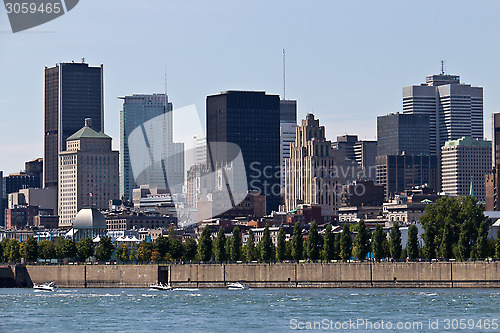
442,66
83,60
284,87
165,79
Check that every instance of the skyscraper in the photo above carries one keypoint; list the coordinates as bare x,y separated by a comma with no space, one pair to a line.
493,178
73,92
403,133
89,173
454,109
288,124
398,173
310,176
2,200
137,110
464,163
362,152
250,120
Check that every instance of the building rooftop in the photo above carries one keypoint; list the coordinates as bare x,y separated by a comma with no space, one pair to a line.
87,132
89,218
468,141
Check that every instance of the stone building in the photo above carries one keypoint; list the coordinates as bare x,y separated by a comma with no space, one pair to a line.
88,173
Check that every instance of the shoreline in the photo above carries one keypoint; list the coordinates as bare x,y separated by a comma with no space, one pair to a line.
479,274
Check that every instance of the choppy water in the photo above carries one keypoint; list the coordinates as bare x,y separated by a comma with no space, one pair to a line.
277,310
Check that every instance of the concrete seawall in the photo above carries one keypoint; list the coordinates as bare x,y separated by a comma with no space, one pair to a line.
284,275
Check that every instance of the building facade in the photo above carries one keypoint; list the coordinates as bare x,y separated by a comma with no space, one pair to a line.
464,164
3,200
35,168
403,133
73,92
88,173
398,173
137,110
250,120
309,176
492,179
288,123
454,109
362,152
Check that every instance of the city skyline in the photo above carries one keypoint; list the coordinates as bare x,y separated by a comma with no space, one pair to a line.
327,59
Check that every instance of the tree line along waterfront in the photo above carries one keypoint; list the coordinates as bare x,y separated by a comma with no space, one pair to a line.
454,228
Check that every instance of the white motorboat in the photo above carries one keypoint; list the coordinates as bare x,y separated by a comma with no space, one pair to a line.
161,286
237,286
48,286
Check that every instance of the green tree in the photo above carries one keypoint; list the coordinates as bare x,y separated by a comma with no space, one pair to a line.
464,240
235,248
361,242
220,246
105,249
162,245
205,245
144,251
430,241
482,240
336,246
378,242
395,243
313,242
412,247
189,246
281,246
446,248
123,253
266,249
65,248
297,242
176,249
497,247
345,242
12,251
84,249
328,252
30,249
250,250
46,249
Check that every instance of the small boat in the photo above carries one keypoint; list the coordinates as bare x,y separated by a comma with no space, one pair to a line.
161,286
48,286
237,286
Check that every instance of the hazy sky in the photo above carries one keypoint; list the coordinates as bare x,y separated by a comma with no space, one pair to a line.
346,61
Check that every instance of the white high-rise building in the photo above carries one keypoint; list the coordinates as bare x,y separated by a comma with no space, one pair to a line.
454,109
199,149
287,136
464,161
88,173
288,124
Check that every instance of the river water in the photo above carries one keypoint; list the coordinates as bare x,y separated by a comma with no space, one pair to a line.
258,310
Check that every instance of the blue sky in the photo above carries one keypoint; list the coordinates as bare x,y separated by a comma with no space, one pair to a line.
346,61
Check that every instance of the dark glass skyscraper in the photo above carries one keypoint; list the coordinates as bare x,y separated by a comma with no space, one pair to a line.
250,120
73,92
403,133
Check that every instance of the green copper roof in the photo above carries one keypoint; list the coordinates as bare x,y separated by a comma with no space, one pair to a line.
87,132
468,141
